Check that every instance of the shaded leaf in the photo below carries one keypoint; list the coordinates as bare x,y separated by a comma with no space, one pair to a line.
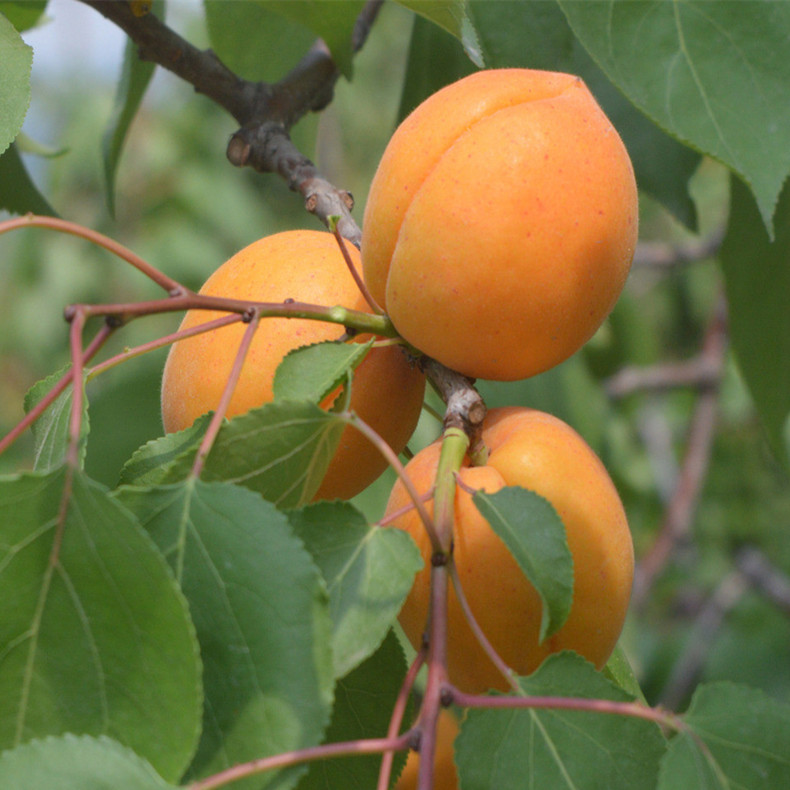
77,763
18,193
312,372
558,748
16,60
454,17
709,73
535,535
363,705
757,281
537,35
23,14
135,76
262,620
739,737
51,430
368,571
95,636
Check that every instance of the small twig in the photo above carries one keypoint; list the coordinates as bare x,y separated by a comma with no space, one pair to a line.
650,253
227,393
764,576
361,285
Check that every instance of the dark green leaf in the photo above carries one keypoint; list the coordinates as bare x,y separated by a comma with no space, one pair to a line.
739,737
148,463
618,669
537,35
95,634
452,16
262,618
535,535
18,194
312,372
560,749
16,59
135,76
333,22
757,279
255,41
23,14
363,705
77,763
51,430
435,60
281,450
368,571
709,73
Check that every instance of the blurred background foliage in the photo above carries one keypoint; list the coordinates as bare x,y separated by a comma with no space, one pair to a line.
182,207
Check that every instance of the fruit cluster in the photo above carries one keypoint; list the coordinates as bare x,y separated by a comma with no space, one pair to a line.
498,234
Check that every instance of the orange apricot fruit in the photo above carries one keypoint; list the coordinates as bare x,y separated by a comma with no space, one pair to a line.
501,223
539,452
445,776
387,391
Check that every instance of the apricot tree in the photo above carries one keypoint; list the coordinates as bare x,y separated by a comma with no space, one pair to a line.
187,605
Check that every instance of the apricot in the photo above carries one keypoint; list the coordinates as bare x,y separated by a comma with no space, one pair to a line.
445,776
387,391
538,452
501,223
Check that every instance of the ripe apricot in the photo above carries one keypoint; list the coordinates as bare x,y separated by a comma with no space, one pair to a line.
538,452
306,265
501,223
445,776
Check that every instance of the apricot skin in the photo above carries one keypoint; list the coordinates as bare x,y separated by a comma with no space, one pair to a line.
501,223
307,266
538,452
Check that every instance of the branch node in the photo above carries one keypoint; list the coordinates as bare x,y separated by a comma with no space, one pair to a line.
238,151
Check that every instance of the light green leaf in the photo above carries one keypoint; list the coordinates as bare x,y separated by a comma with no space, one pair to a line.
262,618
757,280
535,535
95,636
311,372
18,194
452,16
364,700
135,76
77,763
16,60
368,571
560,749
51,430
739,737
714,75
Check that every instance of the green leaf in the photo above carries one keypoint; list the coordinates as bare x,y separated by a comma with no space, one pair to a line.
618,669
148,463
255,41
368,571
535,535
757,280
18,194
281,450
135,76
95,636
16,60
27,145
452,16
51,430
714,75
311,372
364,700
262,618
23,14
333,22
77,763
556,748
739,737
536,35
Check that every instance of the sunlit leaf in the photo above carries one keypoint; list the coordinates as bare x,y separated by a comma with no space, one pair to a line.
95,636
262,618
